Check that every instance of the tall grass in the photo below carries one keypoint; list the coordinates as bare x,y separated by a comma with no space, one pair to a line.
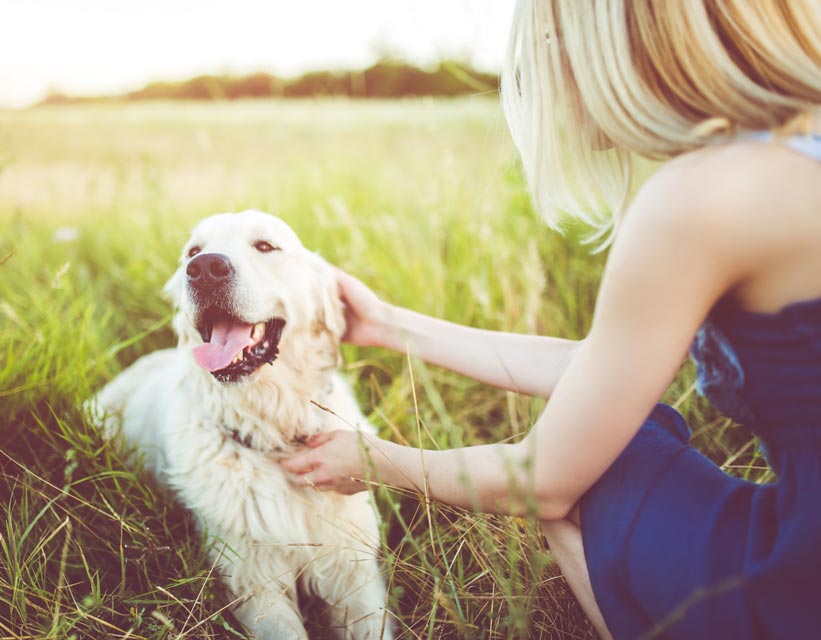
421,199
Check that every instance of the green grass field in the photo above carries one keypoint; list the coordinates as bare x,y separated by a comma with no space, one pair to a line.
422,200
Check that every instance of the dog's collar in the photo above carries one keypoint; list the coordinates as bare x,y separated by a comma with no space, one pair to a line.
248,442
245,441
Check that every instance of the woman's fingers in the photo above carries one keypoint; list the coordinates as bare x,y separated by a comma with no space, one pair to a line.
307,479
345,282
300,464
330,463
319,439
316,479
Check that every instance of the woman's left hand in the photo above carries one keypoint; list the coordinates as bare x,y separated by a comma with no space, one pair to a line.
334,461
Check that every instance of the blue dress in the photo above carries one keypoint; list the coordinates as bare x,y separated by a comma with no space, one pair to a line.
675,547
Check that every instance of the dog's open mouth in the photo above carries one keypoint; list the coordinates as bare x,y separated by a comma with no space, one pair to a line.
233,349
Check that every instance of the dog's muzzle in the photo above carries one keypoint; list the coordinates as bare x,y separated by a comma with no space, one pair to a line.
232,347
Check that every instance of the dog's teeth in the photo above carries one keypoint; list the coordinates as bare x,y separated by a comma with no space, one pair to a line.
258,331
265,344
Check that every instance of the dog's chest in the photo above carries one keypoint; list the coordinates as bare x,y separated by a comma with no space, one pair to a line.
223,463
267,416
239,493
222,445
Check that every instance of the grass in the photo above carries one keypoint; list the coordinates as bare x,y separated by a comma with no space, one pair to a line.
423,200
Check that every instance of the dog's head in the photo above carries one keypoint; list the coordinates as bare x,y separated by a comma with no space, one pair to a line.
244,282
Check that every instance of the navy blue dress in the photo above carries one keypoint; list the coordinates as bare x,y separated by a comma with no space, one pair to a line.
675,547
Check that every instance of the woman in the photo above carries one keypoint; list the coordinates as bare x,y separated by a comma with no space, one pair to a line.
719,251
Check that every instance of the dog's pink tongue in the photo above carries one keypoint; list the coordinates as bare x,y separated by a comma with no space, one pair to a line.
227,340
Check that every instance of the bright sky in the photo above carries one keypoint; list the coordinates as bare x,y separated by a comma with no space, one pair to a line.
107,46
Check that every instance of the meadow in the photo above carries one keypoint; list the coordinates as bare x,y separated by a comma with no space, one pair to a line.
421,199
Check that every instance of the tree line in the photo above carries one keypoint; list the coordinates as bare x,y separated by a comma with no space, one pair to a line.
385,79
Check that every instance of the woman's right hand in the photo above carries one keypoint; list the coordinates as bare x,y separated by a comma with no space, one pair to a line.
526,364
366,316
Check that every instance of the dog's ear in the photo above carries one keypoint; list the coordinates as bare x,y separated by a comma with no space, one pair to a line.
172,291
330,316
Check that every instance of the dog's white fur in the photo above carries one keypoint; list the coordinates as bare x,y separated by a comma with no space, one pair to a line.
277,538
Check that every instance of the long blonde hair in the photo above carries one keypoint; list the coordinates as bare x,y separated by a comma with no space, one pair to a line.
589,83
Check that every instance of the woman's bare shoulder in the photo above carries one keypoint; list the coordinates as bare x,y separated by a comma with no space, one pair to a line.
749,204
722,187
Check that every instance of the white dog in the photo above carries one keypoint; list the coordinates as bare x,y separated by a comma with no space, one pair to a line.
255,371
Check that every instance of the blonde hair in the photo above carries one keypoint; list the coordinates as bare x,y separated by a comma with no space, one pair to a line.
589,83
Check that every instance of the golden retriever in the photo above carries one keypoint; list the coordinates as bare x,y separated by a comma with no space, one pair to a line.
254,373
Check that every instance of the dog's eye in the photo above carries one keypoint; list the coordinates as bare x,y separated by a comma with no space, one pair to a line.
265,247
193,251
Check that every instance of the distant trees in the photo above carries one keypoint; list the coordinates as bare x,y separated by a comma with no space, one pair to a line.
385,79
389,79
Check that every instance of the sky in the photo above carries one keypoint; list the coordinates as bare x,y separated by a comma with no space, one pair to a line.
92,47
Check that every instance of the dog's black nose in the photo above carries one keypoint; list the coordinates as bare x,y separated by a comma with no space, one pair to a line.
209,270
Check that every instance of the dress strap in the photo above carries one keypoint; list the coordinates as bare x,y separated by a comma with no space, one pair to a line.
807,144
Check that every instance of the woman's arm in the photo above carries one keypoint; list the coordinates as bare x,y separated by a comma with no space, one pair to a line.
526,364
685,242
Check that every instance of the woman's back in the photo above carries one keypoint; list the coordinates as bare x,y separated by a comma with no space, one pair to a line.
783,180
740,559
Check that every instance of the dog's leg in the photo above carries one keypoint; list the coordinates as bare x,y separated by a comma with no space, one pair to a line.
271,615
265,586
354,590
